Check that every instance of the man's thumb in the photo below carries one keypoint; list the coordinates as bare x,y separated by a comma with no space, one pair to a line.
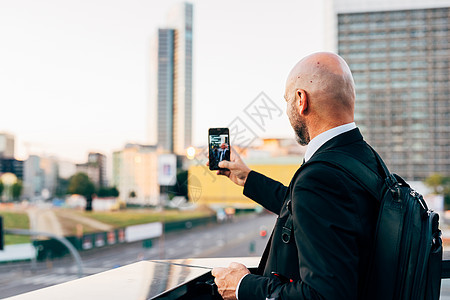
225,164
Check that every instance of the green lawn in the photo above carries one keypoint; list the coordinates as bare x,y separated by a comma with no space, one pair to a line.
15,220
134,217
117,219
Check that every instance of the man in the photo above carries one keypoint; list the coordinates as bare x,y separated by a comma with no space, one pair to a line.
321,244
216,156
225,153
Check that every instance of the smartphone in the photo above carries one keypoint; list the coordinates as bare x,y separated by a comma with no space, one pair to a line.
219,147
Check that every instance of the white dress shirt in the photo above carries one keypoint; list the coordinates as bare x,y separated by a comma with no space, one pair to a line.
324,137
313,146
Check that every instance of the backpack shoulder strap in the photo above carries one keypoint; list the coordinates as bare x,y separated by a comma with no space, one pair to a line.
361,173
357,170
384,261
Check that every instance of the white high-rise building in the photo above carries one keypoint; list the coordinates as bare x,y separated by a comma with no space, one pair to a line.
170,117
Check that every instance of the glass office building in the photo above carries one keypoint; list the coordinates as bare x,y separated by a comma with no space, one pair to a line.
171,82
400,62
180,18
165,88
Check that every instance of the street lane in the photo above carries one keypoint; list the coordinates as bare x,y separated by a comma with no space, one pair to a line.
219,240
235,238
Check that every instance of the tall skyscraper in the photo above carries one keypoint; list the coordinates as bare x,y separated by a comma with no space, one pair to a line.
399,54
165,87
171,82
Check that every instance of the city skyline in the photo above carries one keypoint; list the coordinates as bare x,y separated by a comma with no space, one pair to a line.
74,75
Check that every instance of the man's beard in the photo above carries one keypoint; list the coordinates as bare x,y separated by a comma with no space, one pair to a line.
299,126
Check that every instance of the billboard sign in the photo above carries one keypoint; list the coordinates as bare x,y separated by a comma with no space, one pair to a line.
143,232
167,169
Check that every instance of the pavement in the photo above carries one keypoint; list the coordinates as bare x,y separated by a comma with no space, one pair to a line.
44,220
64,214
237,238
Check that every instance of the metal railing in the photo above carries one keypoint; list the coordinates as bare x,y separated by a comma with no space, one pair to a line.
61,239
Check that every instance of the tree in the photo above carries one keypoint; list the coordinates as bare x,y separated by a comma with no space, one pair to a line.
440,185
114,192
103,192
2,187
82,185
436,182
16,189
181,187
108,192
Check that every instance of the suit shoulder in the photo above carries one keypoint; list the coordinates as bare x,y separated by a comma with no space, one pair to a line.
321,172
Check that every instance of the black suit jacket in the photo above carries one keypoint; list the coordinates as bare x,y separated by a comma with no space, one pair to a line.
334,221
224,155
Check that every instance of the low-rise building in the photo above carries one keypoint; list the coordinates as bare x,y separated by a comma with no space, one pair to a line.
6,145
135,170
95,169
40,177
11,165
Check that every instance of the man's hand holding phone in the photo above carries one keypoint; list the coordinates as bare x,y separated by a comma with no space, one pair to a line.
237,169
223,158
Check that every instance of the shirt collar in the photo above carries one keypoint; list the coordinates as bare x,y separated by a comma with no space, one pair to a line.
324,137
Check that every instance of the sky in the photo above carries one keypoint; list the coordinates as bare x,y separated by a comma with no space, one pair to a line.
74,74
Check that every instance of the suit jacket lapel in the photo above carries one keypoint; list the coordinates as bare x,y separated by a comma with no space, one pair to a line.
345,138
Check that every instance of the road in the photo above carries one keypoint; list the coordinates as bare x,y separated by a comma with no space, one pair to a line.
232,239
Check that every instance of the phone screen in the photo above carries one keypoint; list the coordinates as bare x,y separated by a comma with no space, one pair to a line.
219,147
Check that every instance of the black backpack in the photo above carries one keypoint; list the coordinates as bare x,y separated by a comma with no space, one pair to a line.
407,259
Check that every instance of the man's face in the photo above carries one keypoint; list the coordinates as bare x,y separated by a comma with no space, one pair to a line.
297,122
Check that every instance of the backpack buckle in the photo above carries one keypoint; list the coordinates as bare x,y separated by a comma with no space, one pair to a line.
287,227
286,235
392,184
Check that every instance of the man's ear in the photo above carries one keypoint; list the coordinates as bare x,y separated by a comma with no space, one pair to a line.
301,98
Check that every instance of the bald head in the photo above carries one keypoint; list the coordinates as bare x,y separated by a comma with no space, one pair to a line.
321,90
327,80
